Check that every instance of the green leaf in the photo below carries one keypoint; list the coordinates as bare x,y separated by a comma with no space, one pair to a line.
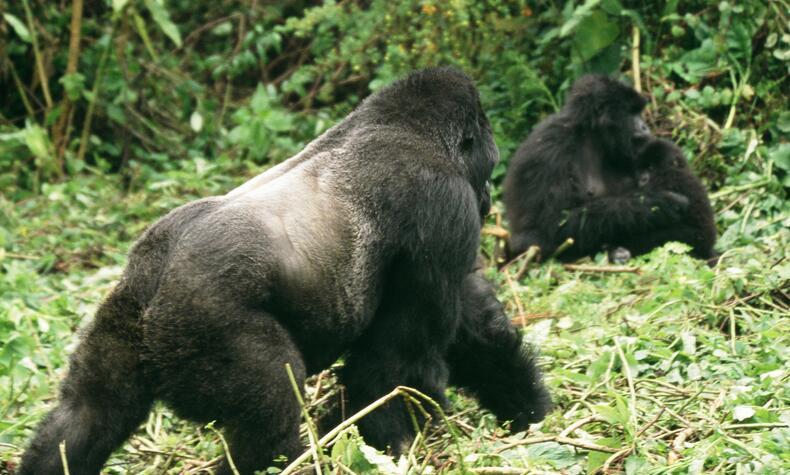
74,84
783,124
162,18
19,27
37,141
593,34
118,5
581,12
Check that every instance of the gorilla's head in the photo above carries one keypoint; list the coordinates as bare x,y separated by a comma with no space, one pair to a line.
442,104
611,110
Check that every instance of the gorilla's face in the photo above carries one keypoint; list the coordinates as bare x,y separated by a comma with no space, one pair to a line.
481,155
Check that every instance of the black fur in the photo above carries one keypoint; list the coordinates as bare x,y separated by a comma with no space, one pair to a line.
489,359
662,167
359,245
576,176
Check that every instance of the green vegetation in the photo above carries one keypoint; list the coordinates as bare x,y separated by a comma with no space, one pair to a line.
664,366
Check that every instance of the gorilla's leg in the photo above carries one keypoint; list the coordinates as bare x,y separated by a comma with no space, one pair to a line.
404,346
102,400
489,359
226,363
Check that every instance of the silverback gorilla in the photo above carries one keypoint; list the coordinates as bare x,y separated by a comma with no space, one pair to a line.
362,245
577,176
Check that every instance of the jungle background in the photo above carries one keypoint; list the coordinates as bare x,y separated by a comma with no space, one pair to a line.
113,112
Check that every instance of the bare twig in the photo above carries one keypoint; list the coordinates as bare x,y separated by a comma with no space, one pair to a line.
63,459
42,75
312,432
61,129
500,470
602,269
563,247
635,58
619,455
560,440
531,253
581,422
86,126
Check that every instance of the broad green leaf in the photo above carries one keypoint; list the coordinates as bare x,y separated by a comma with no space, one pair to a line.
118,5
162,18
595,33
19,27
37,141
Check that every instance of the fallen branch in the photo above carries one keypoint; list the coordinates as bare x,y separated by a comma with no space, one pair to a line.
603,269
560,440
496,231
500,470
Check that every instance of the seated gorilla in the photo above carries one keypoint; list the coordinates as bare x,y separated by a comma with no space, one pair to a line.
360,245
662,167
576,176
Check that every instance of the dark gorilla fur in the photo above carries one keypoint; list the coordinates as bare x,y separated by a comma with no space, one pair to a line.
662,167
576,177
489,359
361,245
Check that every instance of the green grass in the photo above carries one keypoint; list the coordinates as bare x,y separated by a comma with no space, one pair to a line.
666,366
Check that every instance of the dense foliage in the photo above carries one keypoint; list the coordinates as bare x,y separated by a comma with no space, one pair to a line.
113,112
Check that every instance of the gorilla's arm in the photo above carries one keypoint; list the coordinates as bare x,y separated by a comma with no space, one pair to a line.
489,359
414,323
604,220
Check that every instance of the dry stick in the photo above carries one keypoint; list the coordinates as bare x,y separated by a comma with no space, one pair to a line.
86,126
530,255
652,421
404,391
500,471
560,440
312,433
756,425
61,130
37,53
630,379
225,446
496,231
635,58
63,460
326,439
563,247
581,422
513,289
614,458
604,269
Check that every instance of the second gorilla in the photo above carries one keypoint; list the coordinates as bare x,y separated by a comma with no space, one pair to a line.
361,245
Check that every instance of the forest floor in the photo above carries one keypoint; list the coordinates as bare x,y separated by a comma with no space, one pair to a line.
661,366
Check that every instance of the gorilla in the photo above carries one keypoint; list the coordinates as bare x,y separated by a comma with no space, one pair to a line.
577,176
362,245
663,167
